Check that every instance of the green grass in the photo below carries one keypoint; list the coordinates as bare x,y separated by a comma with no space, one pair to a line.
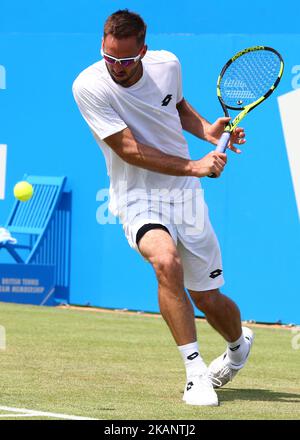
120,366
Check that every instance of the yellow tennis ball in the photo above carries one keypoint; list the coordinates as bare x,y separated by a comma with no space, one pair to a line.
23,191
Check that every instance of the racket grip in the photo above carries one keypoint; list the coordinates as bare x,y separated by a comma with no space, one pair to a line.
223,142
222,145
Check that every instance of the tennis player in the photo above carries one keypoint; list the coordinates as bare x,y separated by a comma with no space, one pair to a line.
133,103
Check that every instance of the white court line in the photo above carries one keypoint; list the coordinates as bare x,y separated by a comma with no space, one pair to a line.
15,415
34,413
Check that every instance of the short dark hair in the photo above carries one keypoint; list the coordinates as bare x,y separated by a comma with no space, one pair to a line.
124,23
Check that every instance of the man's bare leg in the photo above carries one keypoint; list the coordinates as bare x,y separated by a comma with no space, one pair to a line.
224,316
220,311
158,247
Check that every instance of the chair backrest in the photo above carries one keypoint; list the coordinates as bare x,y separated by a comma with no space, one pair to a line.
54,246
33,216
46,220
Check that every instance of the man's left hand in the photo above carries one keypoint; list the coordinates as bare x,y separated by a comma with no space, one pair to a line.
216,129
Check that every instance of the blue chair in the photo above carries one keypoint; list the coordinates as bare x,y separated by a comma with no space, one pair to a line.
42,227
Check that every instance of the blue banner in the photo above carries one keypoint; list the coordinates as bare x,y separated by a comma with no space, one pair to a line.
27,284
254,206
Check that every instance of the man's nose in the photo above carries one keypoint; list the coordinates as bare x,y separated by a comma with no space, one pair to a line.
118,68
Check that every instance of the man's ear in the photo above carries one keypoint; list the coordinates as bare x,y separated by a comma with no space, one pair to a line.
144,50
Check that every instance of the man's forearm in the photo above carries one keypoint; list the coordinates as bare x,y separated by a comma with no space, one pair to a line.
144,156
152,159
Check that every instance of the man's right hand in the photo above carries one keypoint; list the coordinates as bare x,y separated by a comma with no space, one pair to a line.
213,163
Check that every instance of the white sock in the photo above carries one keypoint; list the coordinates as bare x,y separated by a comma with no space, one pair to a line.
194,364
237,351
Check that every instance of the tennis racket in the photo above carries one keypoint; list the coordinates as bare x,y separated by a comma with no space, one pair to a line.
246,81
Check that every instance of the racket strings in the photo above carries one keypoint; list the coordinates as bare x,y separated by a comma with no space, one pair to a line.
249,77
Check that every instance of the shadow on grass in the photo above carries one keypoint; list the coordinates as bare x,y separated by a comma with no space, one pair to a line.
228,394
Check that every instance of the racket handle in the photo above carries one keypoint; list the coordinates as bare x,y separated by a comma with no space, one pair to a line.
222,145
223,142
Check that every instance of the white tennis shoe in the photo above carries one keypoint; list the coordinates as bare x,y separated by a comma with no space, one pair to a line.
199,391
221,370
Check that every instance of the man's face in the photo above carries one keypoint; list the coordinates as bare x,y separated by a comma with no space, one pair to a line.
125,48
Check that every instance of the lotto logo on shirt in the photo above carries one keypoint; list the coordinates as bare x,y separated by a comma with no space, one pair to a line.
166,100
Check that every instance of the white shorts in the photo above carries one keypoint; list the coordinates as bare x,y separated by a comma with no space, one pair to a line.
196,241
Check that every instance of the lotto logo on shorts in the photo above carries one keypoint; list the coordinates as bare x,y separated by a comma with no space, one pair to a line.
215,273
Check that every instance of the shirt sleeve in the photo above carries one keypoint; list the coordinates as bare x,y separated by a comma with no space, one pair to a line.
102,119
179,85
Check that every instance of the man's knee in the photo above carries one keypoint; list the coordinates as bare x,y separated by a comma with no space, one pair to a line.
167,265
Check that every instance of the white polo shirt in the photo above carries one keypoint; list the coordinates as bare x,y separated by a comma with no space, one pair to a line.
148,108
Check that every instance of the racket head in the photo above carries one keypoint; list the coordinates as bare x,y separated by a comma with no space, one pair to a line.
249,77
